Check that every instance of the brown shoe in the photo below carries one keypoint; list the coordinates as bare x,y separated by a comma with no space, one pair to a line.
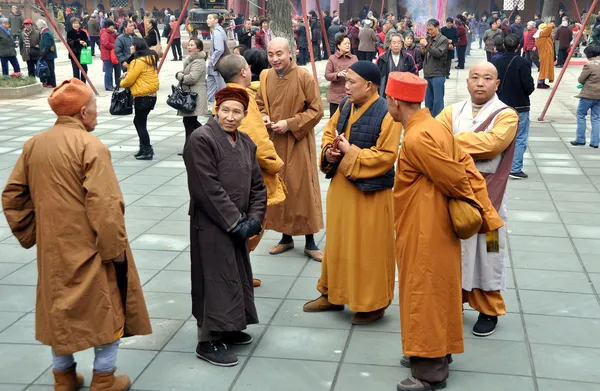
256,282
281,248
315,255
321,304
67,380
405,361
362,318
107,381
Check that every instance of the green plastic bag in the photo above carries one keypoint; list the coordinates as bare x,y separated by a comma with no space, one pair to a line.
85,58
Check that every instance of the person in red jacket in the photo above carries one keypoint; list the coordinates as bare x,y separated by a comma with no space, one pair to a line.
108,36
529,49
461,44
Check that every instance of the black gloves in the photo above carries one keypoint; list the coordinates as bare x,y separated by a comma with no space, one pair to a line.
246,229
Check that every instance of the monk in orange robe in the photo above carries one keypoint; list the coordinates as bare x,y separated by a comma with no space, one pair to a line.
428,252
290,102
359,149
545,47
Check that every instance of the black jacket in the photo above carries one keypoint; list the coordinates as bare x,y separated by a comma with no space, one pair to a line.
245,37
452,35
516,83
315,31
406,64
73,39
301,38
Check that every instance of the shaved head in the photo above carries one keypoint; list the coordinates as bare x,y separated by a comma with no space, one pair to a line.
482,82
279,43
280,54
231,66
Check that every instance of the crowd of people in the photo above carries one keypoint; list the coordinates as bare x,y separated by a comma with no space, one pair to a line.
437,201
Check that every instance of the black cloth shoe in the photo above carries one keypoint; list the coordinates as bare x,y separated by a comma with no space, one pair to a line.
518,175
576,143
139,152
486,325
593,146
180,153
147,153
216,353
236,338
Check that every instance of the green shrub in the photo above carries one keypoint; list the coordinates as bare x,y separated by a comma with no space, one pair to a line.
12,82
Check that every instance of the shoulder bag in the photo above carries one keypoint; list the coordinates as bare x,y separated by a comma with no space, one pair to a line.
184,101
121,102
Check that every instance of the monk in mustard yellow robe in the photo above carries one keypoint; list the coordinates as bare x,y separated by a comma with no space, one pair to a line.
359,264
291,105
428,252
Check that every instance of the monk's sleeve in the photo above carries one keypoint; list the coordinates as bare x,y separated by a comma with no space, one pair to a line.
448,175
488,145
445,118
375,161
253,126
258,194
305,121
103,201
329,134
203,182
18,205
260,98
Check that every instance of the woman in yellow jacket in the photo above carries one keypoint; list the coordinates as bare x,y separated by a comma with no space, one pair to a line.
142,80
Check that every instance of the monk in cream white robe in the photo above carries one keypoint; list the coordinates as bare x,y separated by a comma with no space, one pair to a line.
483,272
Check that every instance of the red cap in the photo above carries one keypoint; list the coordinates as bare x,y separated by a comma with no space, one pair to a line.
406,86
27,21
68,10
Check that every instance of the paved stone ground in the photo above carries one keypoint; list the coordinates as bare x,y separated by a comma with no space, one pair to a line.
549,340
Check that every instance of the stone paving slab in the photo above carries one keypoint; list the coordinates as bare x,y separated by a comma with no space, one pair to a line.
548,341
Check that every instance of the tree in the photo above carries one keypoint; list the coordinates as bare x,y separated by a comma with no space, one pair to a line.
280,14
548,10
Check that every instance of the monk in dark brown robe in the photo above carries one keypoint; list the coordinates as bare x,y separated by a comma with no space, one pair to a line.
228,205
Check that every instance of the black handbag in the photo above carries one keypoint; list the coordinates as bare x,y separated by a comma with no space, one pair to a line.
121,102
184,101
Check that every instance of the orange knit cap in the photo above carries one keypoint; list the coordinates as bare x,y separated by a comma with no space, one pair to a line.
69,97
406,86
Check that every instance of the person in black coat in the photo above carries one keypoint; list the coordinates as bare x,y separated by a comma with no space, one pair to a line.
450,32
77,39
316,35
516,85
331,33
246,33
302,43
395,60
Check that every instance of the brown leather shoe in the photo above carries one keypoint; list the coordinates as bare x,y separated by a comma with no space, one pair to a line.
256,282
315,255
362,318
107,381
321,304
67,380
281,248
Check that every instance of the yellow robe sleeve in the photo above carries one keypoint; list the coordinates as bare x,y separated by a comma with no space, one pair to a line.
18,206
488,145
445,118
448,175
329,134
253,126
103,201
372,162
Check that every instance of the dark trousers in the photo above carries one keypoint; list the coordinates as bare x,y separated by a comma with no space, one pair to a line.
303,56
52,75
562,56
13,61
332,109
190,124
76,72
354,51
143,106
461,52
366,56
317,51
533,57
176,46
94,41
31,67
431,370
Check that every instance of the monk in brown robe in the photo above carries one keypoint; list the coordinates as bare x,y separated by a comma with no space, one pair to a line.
227,206
290,102
64,196
428,252
359,149
236,72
